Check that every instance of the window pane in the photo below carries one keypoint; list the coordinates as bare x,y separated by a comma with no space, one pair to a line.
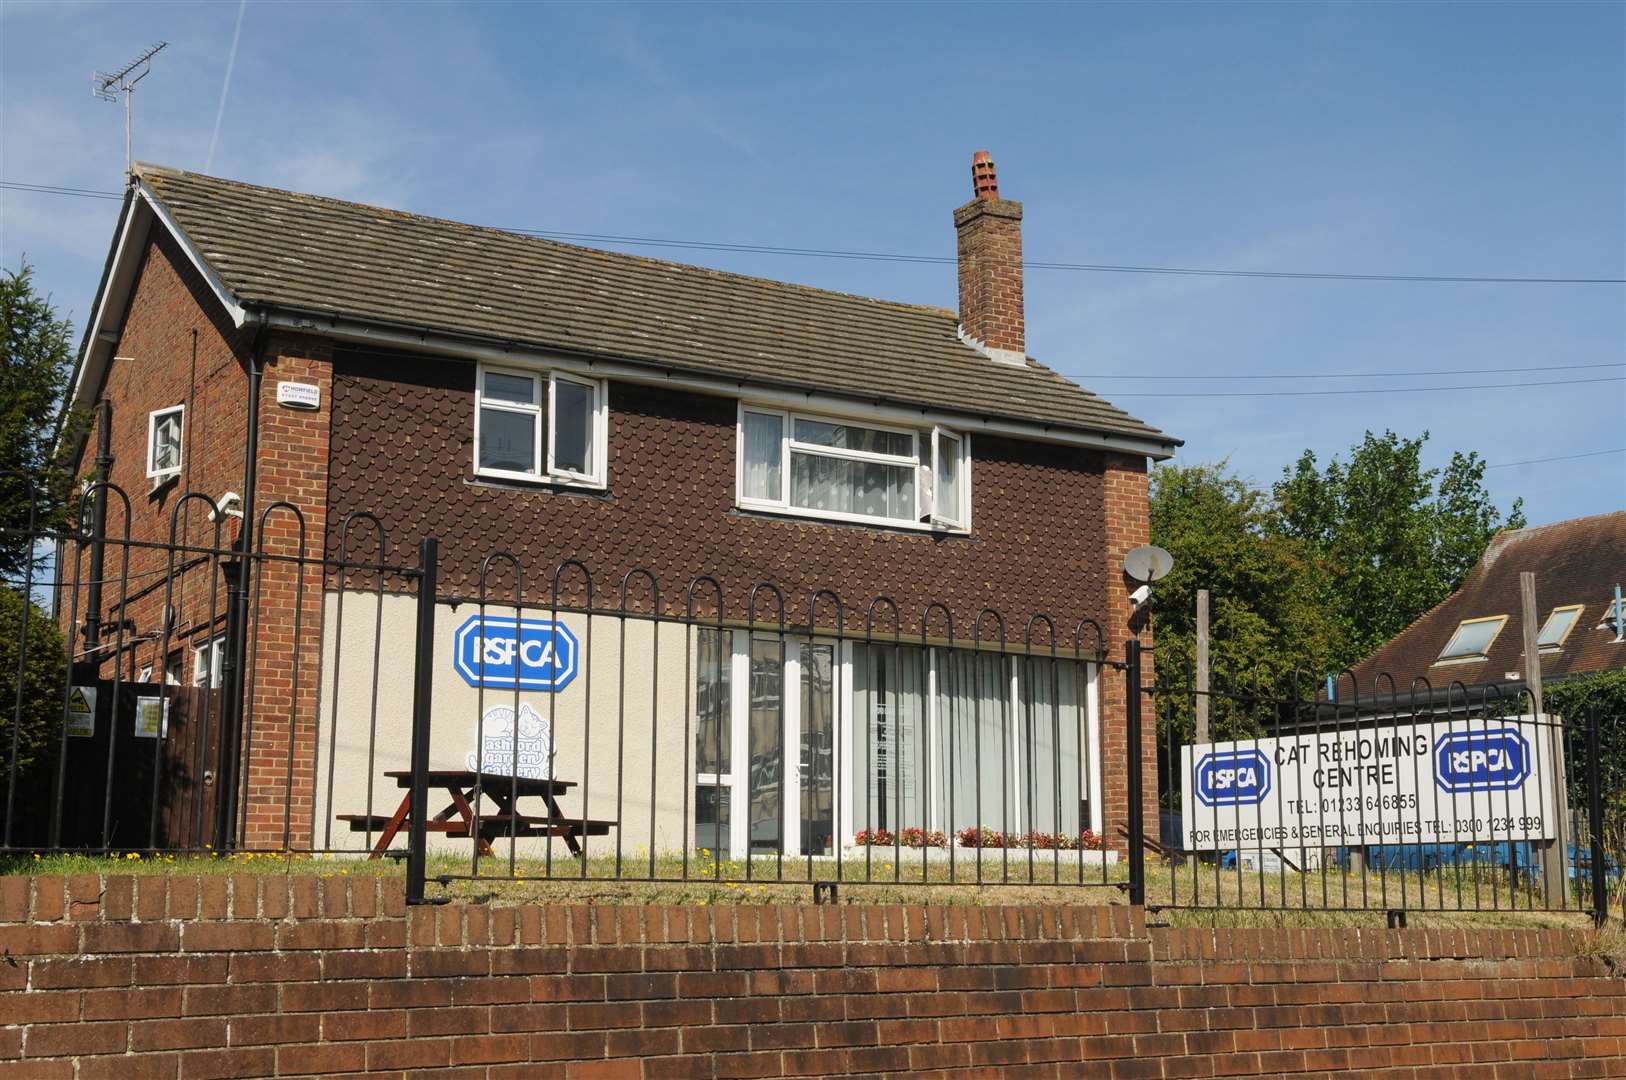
711,818
572,427
166,443
712,701
852,487
818,739
848,437
1558,624
764,434
1471,639
948,478
766,739
516,388
508,440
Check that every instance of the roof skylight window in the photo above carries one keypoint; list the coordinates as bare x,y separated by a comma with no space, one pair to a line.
1558,626
1472,639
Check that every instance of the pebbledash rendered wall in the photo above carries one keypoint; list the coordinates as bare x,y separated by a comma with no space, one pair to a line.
188,978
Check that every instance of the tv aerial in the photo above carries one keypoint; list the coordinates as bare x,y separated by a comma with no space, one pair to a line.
121,83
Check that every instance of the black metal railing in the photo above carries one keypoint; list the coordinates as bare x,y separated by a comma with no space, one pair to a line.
1315,795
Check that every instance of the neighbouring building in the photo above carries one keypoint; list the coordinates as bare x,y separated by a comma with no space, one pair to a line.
528,402
1474,636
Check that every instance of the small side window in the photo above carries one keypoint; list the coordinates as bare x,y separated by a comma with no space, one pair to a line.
164,433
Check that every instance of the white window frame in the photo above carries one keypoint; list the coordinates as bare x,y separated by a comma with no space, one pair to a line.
924,464
179,412
215,650
962,523
543,383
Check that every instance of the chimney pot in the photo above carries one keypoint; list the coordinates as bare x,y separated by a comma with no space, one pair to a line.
984,181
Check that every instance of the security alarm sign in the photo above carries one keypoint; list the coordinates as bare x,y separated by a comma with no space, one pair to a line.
298,395
1456,781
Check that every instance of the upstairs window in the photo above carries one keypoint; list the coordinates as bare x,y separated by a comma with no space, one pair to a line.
164,442
531,425
208,663
845,470
1558,627
1472,639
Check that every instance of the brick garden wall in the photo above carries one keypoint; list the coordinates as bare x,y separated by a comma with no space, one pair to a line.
187,978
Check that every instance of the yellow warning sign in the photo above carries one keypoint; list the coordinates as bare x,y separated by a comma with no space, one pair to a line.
81,718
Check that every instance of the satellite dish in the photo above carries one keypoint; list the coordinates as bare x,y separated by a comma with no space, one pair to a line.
1148,563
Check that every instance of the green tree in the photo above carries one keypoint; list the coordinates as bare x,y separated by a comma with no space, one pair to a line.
1265,615
36,361
44,673
1393,538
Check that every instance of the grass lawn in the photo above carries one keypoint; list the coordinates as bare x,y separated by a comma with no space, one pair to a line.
1189,895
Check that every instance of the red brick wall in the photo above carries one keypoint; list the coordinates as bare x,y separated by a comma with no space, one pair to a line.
1127,512
285,669
155,369
268,974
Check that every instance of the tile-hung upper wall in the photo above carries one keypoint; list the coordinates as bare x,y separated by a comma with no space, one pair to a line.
402,448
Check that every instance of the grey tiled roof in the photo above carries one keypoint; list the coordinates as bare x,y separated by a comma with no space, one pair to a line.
301,251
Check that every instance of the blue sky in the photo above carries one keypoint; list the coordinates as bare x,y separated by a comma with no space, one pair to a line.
1452,139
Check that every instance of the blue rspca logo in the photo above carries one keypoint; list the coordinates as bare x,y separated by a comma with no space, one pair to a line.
509,653
1495,760
1233,778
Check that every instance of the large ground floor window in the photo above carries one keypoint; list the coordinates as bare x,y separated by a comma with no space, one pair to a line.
801,744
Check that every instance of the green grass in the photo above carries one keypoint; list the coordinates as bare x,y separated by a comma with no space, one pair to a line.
1204,899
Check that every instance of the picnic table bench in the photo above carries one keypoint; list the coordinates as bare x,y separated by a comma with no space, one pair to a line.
457,817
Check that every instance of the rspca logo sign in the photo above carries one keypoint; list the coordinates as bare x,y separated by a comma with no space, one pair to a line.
1233,778
1496,760
530,654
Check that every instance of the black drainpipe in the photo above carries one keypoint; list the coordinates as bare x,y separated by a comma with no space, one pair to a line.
237,572
104,463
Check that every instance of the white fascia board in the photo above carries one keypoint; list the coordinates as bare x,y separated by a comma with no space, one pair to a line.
128,250
238,313
650,374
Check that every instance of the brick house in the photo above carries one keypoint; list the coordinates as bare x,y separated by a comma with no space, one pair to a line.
347,380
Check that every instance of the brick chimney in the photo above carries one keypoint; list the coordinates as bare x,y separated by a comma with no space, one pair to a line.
989,230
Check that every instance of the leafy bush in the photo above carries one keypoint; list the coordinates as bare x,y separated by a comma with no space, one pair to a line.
44,676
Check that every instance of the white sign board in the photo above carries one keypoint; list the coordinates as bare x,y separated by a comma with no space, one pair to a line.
298,395
152,718
497,754
82,712
1456,781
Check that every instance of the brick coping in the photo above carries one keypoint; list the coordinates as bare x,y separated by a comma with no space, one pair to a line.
64,903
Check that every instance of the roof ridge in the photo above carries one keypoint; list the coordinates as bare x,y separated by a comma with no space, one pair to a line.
145,169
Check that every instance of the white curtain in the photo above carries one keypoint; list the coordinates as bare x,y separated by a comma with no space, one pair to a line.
845,486
763,442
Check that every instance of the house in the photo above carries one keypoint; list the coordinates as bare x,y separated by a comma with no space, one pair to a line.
1474,636
735,468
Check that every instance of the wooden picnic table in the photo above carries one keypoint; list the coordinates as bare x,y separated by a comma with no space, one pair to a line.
457,817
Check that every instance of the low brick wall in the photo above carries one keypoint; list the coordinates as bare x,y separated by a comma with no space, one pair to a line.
187,978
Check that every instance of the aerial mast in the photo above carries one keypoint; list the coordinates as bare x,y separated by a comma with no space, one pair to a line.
110,87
